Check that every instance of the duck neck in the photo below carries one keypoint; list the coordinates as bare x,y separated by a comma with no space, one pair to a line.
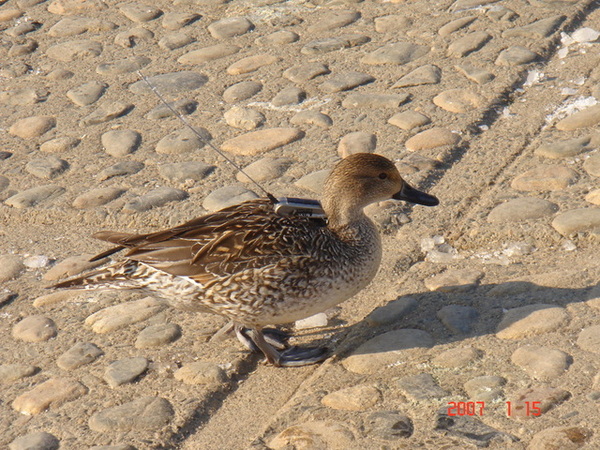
343,216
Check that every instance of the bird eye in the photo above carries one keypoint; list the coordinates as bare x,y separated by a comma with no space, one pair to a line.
383,175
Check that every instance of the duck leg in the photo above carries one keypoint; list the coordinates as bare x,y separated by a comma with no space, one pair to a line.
273,336
291,357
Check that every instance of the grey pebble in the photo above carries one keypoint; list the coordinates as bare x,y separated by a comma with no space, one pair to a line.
24,96
516,56
60,75
138,12
170,83
122,66
373,100
289,96
312,118
472,430
22,29
278,38
346,81
330,20
265,169
74,50
421,387
206,54
183,141
143,414
227,196
389,425
519,209
485,388
468,44
542,363
189,170
455,25
72,26
106,113
398,53
244,118
157,335
121,169
393,23
409,120
175,40
125,371
305,72
392,312
457,357
34,196
458,318
154,199
230,27
326,45
184,107
119,143
200,372
241,91
46,168
10,373
60,144
97,197
87,93
476,74
27,47
539,29
10,266
35,328
428,74
79,355
129,38
357,142
313,181
177,20
38,440
563,149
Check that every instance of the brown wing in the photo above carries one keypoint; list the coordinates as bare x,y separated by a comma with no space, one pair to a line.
245,236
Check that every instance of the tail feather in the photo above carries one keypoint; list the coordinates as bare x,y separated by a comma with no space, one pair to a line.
113,276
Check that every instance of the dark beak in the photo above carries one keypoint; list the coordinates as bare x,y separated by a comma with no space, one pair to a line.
410,194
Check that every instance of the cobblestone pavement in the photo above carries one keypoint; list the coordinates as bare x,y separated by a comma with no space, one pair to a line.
481,328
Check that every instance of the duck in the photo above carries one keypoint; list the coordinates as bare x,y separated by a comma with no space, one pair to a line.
259,268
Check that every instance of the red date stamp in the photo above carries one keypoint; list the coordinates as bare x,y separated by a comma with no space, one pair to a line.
477,409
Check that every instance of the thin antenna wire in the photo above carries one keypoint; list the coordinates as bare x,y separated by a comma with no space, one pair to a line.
202,139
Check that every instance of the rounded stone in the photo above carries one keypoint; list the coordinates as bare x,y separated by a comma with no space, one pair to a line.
265,169
531,320
261,141
314,435
206,54
516,56
183,141
519,209
230,27
244,118
35,328
38,440
313,181
432,138
74,50
49,395
60,144
241,91
545,178
34,196
119,143
97,197
386,350
485,388
125,371
355,398
10,373
564,438
458,100
200,372
157,335
458,318
396,53
80,354
143,414
357,142
312,118
172,83
189,170
457,357
10,267
408,120
542,363
577,220
454,280
251,64
592,165
563,149
593,197
31,127
589,339
47,167
87,93
227,196
588,117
